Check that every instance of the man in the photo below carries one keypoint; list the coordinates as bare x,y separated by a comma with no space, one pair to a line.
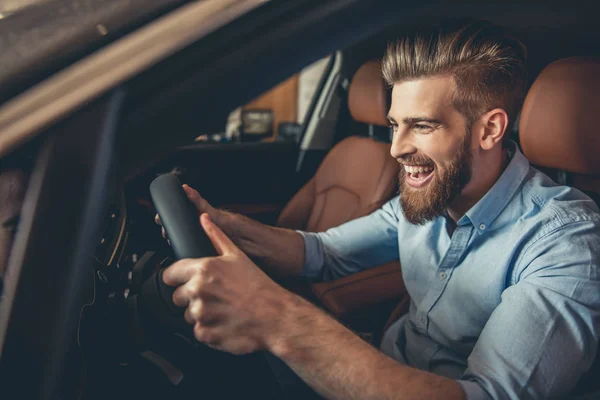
501,263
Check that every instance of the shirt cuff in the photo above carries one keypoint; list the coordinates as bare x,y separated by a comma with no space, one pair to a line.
473,391
313,256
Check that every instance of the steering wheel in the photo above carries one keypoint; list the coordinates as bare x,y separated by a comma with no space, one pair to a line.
188,240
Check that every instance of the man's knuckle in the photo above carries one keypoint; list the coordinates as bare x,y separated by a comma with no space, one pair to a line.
206,335
196,310
179,298
205,318
200,270
195,287
188,316
208,267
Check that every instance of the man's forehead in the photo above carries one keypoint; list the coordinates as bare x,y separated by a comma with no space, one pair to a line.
431,96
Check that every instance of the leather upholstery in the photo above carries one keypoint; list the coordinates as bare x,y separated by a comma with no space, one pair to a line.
367,95
376,285
558,131
356,177
558,127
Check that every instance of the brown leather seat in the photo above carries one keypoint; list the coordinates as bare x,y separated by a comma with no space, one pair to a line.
558,133
356,177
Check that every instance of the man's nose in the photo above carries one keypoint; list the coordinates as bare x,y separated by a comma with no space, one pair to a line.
402,144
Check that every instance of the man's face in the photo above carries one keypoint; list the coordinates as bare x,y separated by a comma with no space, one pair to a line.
12,192
432,144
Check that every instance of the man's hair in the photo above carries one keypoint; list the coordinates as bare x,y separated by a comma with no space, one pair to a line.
487,64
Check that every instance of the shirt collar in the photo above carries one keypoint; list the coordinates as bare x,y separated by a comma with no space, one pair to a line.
485,211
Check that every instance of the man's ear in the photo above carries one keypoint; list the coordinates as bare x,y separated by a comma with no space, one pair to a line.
494,124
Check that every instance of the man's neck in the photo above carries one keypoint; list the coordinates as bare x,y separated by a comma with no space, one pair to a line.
478,187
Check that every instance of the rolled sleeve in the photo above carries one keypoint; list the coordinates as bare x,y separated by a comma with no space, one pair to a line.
544,334
352,247
313,255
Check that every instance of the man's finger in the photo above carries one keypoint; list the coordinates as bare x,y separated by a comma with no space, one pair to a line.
196,288
157,219
195,198
206,312
181,295
222,243
180,272
209,335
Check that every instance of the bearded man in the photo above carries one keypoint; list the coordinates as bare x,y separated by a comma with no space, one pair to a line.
501,263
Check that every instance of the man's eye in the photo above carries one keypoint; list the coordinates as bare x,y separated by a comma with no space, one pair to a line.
421,127
394,127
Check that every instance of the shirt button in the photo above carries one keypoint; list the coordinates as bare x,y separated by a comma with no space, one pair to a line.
482,226
423,320
443,275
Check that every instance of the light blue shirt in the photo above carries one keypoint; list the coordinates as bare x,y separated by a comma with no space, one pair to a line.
508,303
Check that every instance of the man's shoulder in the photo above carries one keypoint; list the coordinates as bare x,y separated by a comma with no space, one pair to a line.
557,223
547,206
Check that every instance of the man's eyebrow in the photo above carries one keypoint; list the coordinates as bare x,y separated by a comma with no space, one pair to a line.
12,221
416,120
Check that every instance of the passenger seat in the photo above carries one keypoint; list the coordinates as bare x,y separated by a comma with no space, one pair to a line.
559,133
356,177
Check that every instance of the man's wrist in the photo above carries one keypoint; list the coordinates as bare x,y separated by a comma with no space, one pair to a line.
280,324
292,322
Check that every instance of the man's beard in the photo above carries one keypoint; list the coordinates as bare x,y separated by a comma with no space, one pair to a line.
422,205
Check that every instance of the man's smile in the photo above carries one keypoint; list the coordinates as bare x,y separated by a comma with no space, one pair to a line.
418,176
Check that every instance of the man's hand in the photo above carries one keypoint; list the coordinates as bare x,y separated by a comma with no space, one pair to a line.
232,304
236,308
280,252
201,205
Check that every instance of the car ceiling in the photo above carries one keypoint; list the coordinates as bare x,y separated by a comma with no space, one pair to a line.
549,32
40,37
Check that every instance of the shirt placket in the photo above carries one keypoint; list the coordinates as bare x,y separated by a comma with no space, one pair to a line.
458,245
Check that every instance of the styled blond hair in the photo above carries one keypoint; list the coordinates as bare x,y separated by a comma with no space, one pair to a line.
487,64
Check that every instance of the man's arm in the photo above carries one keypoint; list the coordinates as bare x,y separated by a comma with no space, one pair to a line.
235,307
280,252
543,336
339,365
352,247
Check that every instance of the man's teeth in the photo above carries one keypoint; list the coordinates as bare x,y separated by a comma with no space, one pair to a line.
416,170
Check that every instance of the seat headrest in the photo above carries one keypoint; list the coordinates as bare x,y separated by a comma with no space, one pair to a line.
367,99
558,124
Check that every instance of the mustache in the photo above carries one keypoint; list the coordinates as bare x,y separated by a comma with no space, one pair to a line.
416,160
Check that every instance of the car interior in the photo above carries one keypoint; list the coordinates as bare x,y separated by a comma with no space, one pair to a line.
339,169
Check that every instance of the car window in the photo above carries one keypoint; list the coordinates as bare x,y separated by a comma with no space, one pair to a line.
275,115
